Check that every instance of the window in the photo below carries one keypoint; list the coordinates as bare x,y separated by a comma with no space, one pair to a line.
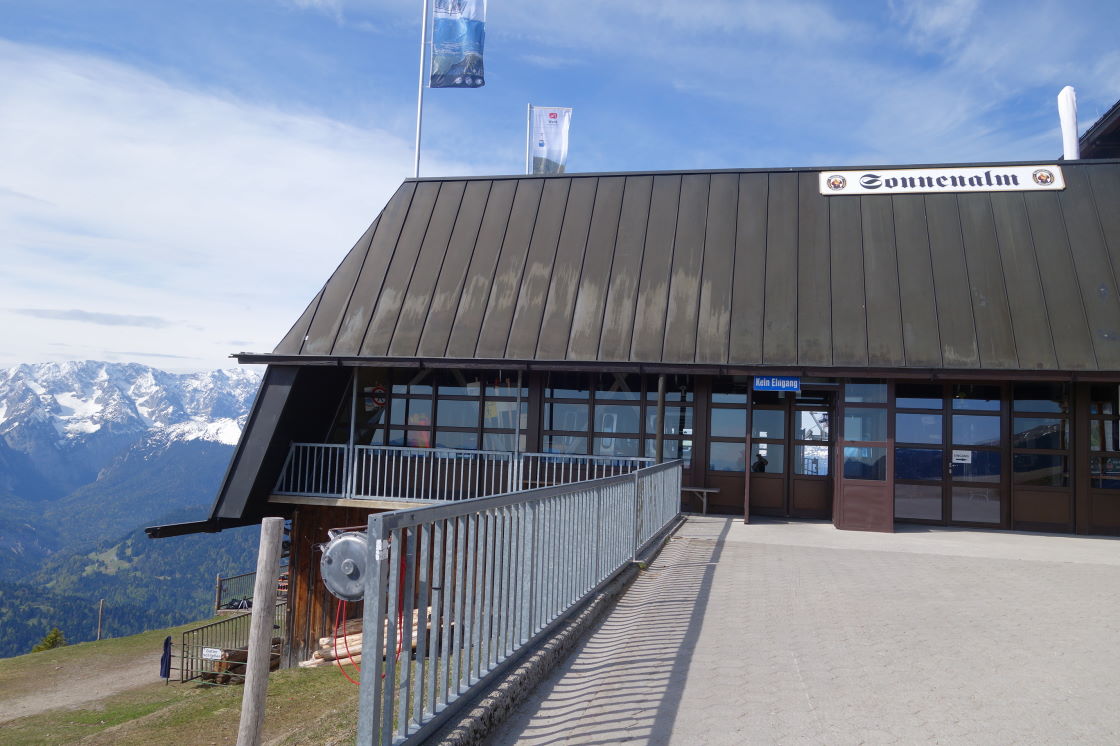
1040,435
1104,443
865,430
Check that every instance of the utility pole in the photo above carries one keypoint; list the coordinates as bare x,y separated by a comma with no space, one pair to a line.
100,613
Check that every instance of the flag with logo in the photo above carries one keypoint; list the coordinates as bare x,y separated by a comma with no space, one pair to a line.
458,34
548,133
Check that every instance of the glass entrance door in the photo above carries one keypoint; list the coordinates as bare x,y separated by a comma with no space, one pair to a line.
791,454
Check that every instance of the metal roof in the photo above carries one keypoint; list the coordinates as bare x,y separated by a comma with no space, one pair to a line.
728,268
1102,139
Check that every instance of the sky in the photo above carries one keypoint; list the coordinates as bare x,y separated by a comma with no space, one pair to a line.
178,180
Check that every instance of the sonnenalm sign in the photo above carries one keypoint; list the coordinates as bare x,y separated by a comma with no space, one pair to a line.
933,180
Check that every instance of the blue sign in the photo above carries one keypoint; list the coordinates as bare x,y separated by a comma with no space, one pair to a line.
776,383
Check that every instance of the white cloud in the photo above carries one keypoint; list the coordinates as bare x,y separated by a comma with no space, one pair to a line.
123,195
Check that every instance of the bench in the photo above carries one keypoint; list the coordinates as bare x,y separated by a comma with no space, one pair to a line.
702,494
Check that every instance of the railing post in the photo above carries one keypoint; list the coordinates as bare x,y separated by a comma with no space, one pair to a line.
637,509
375,595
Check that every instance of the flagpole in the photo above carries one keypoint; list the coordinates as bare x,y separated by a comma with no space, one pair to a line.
420,90
528,134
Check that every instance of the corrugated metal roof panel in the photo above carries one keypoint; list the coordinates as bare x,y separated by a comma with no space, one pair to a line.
723,268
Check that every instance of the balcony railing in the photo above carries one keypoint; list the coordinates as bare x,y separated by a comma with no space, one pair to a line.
396,473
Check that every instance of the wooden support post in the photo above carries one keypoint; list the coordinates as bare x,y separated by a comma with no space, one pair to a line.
100,613
217,593
260,633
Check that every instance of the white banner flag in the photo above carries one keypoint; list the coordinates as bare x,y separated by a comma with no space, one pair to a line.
548,138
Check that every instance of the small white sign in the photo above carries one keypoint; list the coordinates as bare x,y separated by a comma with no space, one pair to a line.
211,654
962,457
933,180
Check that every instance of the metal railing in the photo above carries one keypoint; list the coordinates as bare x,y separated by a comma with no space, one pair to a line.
410,474
235,593
393,472
543,469
454,592
217,652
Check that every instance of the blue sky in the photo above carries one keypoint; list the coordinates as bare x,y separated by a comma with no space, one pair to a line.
179,179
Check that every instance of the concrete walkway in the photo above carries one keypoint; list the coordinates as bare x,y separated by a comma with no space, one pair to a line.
799,633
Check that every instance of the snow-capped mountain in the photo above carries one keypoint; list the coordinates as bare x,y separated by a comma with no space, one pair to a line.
70,420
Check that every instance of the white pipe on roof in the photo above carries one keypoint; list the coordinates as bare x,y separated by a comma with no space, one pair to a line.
1067,113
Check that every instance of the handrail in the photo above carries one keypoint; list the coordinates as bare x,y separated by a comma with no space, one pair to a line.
466,586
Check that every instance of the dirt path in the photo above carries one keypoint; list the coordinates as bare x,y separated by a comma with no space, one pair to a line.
60,684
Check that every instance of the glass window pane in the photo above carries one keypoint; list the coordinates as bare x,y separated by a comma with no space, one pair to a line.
731,389
975,504
505,386
968,396
501,442
456,413
918,395
768,458
1104,435
1103,398
917,501
772,398
396,411
810,425
1041,432
811,460
870,392
1105,472
616,447
1041,397
448,439
677,388
678,420
976,430
417,383
814,398
459,383
620,386
565,417
418,438
975,466
564,444
768,423
917,428
616,418
419,412
567,386
1041,469
370,436
865,424
727,457
502,415
729,423
672,449
917,463
865,463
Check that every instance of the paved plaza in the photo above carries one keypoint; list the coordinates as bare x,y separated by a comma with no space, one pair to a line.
780,632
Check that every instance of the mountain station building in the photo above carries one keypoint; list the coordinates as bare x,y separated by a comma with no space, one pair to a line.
933,345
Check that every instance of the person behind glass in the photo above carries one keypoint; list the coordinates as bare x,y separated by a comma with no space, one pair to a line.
759,463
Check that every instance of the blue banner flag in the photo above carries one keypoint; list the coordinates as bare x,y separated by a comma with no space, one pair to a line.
458,34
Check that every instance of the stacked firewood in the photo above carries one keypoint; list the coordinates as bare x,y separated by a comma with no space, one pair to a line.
346,644
230,669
